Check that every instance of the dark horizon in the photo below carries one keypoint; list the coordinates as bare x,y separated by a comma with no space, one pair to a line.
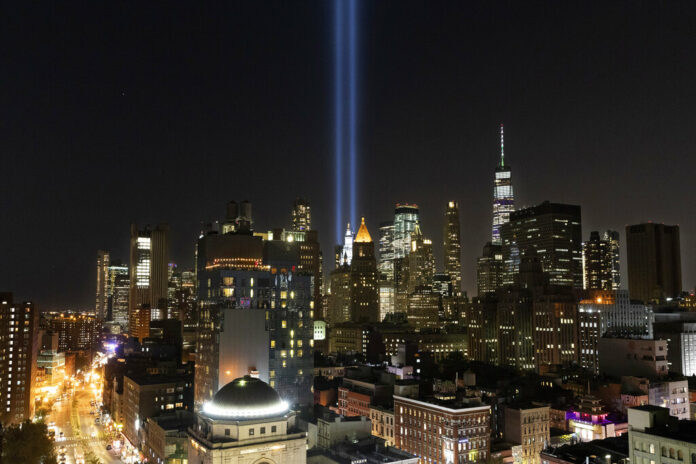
158,112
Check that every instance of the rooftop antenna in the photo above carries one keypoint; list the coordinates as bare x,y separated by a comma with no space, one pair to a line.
502,148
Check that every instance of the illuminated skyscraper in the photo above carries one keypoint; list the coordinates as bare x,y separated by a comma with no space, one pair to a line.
149,276
597,263
118,287
489,270
386,250
612,237
364,278
554,231
346,250
503,198
452,246
421,264
405,219
301,215
102,300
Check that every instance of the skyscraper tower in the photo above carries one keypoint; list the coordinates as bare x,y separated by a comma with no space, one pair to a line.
149,258
653,258
597,263
102,300
612,237
364,278
405,219
301,215
452,246
503,198
421,264
386,250
347,250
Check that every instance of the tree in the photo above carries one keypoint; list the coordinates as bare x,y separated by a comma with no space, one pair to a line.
28,443
90,458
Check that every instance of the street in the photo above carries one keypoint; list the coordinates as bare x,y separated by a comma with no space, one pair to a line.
72,417
76,433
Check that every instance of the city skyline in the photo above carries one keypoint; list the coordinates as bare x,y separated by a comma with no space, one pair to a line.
87,127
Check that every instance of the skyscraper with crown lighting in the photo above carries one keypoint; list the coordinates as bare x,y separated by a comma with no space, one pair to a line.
503,198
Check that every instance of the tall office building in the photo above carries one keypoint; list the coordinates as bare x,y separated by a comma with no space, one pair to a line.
597,263
301,215
19,346
346,251
256,313
554,231
405,219
386,250
452,246
102,300
612,237
118,288
654,262
149,276
503,197
421,264
364,278
489,269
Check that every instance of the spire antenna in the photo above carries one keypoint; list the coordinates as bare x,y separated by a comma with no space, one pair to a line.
502,148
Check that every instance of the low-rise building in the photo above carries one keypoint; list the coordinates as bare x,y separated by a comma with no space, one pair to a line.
442,430
656,438
369,450
633,357
150,396
527,427
383,423
673,395
608,451
333,429
166,439
589,420
246,422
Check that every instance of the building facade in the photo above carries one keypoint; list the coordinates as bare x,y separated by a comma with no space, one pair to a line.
503,196
149,276
597,263
102,299
489,270
527,426
554,231
405,218
246,422
301,215
653,259
19,346
452,247
442,430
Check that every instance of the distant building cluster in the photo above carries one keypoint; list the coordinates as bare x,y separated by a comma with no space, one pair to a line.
259,353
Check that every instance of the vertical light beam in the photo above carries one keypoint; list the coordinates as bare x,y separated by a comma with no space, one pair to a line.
338,97
352,39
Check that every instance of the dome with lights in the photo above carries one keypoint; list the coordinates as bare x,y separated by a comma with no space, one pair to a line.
245,398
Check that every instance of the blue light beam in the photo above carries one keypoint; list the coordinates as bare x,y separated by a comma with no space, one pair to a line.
338,97
352,37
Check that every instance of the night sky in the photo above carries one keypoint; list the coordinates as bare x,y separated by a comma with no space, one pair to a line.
114,112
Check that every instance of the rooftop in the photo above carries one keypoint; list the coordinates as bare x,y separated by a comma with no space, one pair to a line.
245,398
596,451
369,450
